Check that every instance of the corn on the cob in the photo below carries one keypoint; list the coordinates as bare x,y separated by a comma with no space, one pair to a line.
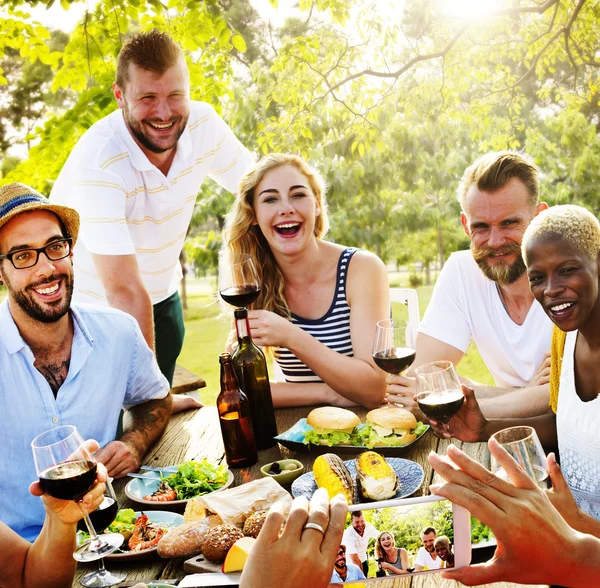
376,477
331,474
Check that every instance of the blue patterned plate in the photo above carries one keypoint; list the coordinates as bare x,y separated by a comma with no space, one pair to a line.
293,439
410,477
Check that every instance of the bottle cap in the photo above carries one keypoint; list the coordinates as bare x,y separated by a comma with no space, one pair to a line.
223,357
240,313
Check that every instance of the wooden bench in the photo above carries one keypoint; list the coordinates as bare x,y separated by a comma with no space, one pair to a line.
186,381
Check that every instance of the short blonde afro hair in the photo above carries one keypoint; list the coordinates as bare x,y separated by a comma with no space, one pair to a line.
574,224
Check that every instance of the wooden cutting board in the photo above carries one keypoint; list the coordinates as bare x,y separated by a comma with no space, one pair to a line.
199,565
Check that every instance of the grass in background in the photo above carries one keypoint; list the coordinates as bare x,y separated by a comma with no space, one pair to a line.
207,328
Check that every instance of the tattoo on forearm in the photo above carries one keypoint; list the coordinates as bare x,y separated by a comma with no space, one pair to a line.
147,421
55,374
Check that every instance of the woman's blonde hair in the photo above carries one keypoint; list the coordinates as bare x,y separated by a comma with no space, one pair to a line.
242,235
379,550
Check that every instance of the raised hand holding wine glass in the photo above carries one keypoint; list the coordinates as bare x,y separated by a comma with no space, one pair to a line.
392,351
67,470
238,281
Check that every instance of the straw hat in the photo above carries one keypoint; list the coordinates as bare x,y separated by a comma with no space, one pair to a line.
17,198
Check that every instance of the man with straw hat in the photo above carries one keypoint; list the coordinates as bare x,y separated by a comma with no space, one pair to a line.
63,364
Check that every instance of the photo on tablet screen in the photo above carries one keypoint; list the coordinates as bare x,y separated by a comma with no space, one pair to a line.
396,541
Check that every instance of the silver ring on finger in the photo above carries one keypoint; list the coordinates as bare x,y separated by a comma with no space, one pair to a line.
315,526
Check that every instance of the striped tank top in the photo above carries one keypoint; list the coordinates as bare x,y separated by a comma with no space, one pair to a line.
332,329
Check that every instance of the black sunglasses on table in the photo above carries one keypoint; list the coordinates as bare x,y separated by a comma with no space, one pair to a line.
24,258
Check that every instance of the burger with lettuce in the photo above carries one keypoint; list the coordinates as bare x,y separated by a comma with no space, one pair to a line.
332,426
391,427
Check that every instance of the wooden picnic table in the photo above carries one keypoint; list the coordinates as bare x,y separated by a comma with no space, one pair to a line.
196,435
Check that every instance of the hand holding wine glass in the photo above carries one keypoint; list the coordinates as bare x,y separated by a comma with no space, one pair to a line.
67,471
238,281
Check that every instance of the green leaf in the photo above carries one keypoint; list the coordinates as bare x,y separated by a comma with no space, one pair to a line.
239,43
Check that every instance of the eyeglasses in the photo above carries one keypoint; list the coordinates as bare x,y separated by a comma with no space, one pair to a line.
54,251
341,552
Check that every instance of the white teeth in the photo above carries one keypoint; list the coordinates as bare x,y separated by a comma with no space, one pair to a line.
50,290
287,226
161,127
562,307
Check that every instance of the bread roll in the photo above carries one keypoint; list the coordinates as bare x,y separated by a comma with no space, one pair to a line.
185,540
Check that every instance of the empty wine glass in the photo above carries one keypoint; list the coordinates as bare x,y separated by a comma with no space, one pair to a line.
523,444
102,518
439,392
392,351
238,281
67,470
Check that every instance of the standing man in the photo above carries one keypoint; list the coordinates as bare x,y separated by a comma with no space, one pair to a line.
345,572
356,539
427,558
483,294
63,364
133,177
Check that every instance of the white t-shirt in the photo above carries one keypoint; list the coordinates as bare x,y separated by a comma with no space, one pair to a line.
356,544
578,425
424,559
465,305
127,206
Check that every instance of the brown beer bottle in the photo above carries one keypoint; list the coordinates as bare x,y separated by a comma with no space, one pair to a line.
234,418
253,378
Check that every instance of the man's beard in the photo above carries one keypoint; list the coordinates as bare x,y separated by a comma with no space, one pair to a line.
136,128
501,273
31,307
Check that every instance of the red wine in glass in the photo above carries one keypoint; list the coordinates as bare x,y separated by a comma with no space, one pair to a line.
394,360
240,296
440,406
69,480
103,516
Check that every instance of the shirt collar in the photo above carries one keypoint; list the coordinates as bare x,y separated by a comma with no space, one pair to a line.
138,158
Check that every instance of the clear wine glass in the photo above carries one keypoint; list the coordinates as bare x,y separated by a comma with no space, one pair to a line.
67,470
393,352
238,281
102,518
523,444
439,391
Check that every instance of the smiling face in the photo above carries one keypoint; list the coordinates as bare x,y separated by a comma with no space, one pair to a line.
428,540
495,222
42,292
155,106
285,209
340,560
564,280
442,551
386,541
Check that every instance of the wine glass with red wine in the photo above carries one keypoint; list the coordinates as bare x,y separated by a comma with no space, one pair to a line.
392,350
439,392
101,518
238,281
67,470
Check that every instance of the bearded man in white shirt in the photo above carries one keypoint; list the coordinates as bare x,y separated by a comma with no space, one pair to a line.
133,177
483,294
356,539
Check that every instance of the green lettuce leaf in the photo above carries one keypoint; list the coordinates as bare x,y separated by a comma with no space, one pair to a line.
332,438
370,438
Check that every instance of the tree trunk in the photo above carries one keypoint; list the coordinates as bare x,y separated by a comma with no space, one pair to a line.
428,274
183,280
440,240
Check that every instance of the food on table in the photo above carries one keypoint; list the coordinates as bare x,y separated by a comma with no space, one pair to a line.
185,540
391,427
254,523
145,534
218,541
332,426
331,474
238,554
192,478
376,478
163,493
274,469
290,467
235,505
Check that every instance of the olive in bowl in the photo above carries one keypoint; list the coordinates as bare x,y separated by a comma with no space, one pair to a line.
284,471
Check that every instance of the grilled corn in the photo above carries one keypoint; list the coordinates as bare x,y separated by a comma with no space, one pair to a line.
377,479
331,474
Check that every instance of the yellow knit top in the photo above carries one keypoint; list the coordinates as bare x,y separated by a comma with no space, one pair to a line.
556,357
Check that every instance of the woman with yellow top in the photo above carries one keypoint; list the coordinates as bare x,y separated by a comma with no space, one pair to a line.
561,249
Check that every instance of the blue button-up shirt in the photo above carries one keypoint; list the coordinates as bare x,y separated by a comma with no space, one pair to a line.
111,368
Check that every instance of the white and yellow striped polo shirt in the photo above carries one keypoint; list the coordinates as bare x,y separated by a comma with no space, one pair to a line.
128,206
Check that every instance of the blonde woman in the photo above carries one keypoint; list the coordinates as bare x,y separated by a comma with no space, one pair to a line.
319,301
390,559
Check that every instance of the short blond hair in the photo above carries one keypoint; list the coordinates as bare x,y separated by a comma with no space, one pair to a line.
494,170
574,224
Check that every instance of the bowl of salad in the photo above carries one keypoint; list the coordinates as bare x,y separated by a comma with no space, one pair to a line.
172,486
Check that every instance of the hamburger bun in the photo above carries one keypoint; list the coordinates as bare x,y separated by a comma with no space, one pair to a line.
392,418
331,417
